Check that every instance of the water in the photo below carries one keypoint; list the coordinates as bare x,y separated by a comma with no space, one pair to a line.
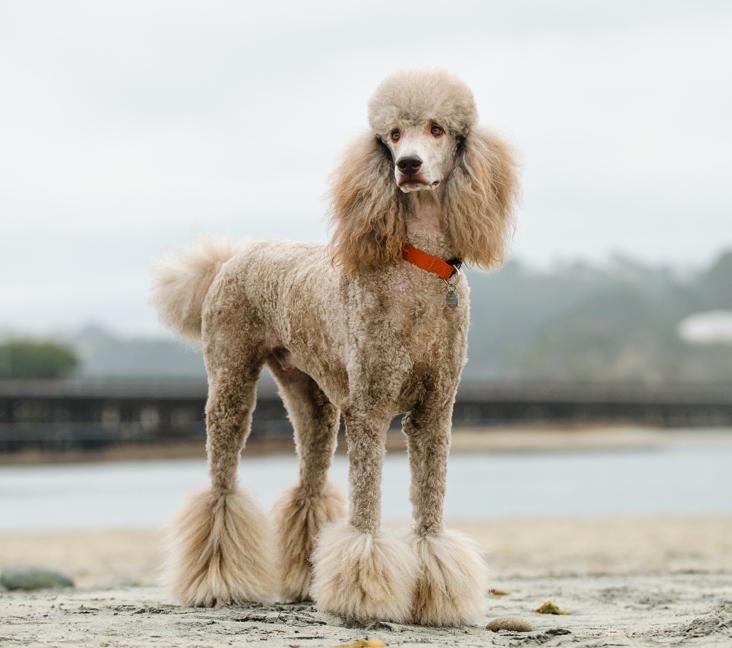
677,480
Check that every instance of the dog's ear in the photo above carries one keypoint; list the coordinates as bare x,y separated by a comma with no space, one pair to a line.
367,209
479,198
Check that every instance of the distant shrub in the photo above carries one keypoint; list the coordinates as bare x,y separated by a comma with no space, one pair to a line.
24,358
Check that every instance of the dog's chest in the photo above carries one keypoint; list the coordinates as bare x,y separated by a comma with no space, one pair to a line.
434,338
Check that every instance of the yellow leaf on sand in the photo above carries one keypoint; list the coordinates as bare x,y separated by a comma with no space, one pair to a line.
547,607
497,592
363,643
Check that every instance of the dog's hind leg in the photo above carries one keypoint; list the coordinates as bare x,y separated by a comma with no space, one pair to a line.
304,509
222,544
451,584
361,572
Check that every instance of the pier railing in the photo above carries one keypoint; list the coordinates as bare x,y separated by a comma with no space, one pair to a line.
66,414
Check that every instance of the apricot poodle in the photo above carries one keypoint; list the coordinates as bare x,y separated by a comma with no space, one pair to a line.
369,327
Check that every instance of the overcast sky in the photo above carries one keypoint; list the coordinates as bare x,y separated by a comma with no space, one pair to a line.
129,128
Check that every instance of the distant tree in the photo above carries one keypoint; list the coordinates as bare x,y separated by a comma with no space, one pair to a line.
23,358
716,282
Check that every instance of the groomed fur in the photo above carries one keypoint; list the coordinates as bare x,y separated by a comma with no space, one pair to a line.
221,551
369,211
452,578
414,96
372,341
479,199
298,519
362,576
180,284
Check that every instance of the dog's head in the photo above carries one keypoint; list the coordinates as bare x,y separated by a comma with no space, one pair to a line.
423,137
422,118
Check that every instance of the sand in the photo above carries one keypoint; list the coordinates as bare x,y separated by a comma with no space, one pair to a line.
680,609
625,582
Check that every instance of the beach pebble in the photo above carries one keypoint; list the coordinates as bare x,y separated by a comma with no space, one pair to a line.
32,578
514,624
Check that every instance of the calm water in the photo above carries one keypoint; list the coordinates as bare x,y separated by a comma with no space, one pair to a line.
682,480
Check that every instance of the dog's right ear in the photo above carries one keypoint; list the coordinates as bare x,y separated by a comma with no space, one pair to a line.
367,208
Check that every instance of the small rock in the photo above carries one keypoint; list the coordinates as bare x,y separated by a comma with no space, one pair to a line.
33,578
514,624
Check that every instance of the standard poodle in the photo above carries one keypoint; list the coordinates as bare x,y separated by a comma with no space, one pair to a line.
371,326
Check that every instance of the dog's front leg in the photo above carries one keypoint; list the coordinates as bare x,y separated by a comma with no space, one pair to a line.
360,572
451,584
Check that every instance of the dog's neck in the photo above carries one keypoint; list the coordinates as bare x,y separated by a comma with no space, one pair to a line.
424,223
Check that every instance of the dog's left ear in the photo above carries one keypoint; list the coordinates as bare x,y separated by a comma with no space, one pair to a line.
479,198
367,209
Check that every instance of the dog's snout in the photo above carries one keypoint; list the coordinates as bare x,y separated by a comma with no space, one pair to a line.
409,165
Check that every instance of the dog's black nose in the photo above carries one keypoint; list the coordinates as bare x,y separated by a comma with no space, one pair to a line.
409,165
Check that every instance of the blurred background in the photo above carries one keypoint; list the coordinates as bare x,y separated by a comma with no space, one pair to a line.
598,394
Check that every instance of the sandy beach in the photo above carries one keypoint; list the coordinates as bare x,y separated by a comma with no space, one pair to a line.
624,582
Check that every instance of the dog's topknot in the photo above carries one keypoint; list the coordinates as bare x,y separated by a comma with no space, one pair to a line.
412,97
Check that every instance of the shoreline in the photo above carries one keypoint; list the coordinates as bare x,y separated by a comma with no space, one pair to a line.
500,439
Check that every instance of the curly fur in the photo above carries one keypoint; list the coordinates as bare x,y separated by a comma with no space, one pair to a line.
220,551
368,210
298,519
452,580
417,95
362,576
181,283
479,198
370,341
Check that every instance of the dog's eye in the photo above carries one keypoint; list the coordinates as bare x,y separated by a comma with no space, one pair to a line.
395,135
437,130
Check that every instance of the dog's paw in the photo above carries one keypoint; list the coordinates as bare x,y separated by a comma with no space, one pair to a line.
451,582
363,577
220,551
298,520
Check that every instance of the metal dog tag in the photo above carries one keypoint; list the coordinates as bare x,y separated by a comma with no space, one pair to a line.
451,299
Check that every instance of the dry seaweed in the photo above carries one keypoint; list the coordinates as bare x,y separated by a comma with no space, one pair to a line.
547,607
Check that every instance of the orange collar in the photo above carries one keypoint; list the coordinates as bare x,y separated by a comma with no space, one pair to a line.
430,263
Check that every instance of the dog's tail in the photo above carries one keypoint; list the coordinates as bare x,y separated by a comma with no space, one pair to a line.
180,284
